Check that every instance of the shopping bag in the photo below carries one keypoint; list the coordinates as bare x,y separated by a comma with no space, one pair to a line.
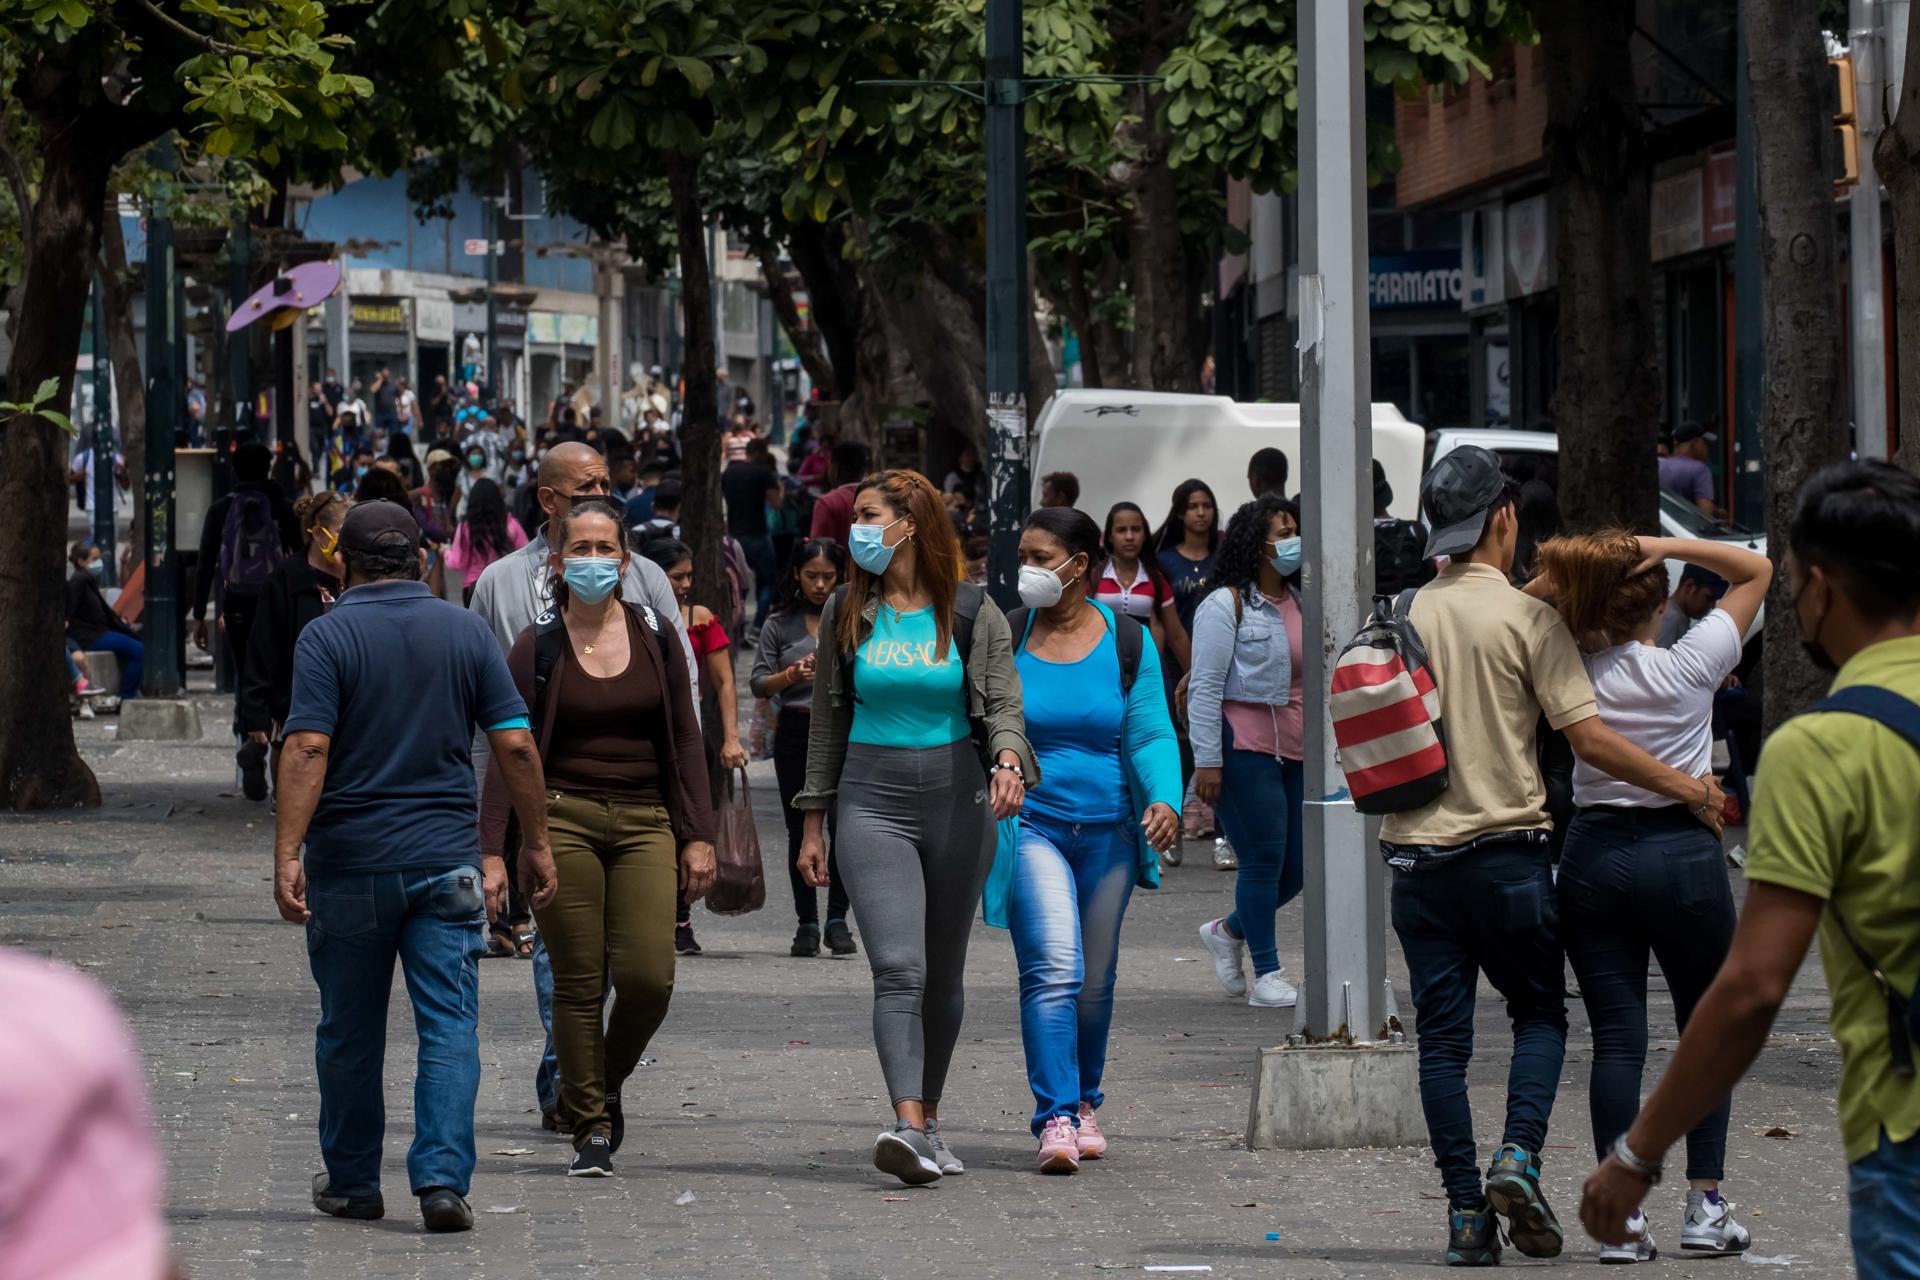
739,881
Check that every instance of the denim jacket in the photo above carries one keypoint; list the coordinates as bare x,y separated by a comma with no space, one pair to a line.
1250,662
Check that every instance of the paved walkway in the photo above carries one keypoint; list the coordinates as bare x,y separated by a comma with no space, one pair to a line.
766,1094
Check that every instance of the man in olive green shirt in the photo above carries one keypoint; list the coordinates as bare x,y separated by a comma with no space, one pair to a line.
1835,825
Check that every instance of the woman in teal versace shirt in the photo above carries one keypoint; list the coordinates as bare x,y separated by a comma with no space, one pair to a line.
916,679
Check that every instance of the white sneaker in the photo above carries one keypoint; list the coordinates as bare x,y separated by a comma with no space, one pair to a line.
1710,1228
1171,857
86,711
1638,1249
1271,991
1224,858
1229,956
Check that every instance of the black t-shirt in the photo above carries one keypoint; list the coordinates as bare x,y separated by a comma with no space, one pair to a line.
745,485
317,414
386,401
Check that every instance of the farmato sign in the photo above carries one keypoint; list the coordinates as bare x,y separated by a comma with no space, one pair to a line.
1423,278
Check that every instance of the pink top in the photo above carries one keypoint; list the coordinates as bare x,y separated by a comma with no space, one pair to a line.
470,560
81,1178
1277,731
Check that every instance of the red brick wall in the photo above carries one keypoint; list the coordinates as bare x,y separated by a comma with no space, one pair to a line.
1454,141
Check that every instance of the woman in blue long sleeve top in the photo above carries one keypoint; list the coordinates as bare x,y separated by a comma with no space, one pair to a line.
1066,867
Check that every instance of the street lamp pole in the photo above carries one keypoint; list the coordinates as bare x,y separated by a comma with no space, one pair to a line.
1006,295
161,634
102,496
1344,994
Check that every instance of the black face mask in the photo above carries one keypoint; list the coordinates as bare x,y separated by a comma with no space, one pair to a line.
1810,643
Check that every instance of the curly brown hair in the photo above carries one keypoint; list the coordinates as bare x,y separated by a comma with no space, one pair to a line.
1597,586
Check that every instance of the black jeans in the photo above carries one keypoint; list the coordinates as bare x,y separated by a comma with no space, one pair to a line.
238,612
790,732
1635,882
1489,911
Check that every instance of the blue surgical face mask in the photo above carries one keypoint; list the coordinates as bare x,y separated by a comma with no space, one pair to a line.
96,567
869,547
1286,556
591,579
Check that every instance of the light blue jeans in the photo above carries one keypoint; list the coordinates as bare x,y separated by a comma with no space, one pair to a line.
1071,884
1883,1192
546,1079
435,924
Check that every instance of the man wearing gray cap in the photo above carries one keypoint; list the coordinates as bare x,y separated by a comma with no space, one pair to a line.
1473,887
375,779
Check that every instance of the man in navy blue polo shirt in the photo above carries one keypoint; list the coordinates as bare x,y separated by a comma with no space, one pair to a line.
376,778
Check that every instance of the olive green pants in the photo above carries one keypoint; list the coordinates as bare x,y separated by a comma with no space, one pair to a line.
610,922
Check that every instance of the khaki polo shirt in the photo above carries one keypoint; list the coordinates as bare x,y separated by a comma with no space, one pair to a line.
1500,659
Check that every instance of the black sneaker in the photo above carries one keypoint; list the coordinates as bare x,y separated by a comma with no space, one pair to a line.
683,939
252,759
806,940
1473,1238
1513,1189
840,938
364,1208
594,1159
616,1117
443,1209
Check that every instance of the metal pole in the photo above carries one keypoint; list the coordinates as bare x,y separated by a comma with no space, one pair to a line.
239,345
103,433
1344,992
1007,303
1866,324
492,211
161,634
1747,486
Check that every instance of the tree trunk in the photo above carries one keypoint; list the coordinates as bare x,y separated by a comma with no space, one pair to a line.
935,327
805,340
1161,307
123,347
1607,403
1897,159
1801,425
835,298
702,513
1078,305
39,768
864,411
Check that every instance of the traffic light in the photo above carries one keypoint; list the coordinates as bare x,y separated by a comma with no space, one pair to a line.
1844,124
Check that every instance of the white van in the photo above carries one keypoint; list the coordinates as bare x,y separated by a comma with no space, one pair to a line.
1136,446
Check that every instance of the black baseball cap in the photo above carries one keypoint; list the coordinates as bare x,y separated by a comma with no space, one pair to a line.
1692,431
1704,577
1458,493
368,522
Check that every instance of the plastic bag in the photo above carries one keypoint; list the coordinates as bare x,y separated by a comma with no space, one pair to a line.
739,881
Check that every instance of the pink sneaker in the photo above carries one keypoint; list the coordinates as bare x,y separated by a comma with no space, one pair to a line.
1059,1152
1092,1142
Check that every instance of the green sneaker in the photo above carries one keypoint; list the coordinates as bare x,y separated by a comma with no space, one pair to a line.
1513,1189
1473,1238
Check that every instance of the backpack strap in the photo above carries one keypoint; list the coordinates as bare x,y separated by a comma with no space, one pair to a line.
549,643
967,599
1128,639
1902,716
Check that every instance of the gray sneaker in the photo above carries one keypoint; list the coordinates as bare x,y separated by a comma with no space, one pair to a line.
1224,858
907,1155
943,1156
1710,1229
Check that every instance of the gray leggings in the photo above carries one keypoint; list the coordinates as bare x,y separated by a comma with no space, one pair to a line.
915,842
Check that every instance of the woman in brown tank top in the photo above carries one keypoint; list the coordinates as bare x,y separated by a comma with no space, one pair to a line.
628,813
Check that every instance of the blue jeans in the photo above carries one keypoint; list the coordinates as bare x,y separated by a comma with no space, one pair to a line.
132,655
546,1078
1634,884
435,923
1883,1192
1259,814
1490,911
1071,884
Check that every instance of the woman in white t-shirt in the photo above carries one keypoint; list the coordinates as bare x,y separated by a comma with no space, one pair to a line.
1640,875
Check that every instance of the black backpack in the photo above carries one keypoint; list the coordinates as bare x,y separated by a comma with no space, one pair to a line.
1902,715
1400,558
1127,639
550,643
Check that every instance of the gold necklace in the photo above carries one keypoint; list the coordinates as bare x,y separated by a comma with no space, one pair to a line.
588,646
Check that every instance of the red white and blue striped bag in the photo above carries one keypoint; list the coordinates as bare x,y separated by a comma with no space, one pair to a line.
1386,715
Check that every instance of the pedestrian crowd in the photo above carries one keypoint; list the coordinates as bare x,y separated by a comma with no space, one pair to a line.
540,762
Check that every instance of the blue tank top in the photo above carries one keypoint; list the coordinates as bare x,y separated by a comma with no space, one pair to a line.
907,698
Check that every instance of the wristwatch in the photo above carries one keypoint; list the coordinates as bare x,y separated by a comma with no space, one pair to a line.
1648,1169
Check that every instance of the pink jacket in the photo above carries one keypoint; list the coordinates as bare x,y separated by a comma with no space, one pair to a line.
470,561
